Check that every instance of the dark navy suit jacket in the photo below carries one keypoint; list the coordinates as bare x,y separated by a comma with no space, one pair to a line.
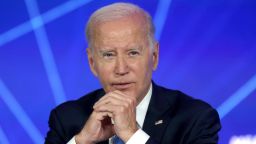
184,120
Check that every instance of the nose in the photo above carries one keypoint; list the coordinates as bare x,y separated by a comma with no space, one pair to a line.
121,66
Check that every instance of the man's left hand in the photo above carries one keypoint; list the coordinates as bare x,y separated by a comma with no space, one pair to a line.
123,112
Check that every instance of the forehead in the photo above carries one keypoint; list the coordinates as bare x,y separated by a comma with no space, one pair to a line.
120,33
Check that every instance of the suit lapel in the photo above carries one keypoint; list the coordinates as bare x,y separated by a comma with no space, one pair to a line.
158,114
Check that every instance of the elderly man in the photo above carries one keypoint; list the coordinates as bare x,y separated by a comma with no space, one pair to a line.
123,53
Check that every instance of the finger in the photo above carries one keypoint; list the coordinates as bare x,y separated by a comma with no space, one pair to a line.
115,110
131,100
123,96
112,98
117,94
109,108
113,94
120,93
100,115
110,101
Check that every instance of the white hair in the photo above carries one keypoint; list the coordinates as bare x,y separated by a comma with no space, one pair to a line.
117,11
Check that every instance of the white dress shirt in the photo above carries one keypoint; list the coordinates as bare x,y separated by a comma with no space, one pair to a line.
139,137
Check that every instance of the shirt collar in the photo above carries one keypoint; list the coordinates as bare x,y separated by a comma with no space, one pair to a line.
142,107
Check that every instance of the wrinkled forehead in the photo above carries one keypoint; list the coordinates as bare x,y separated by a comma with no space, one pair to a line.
123,31
135,20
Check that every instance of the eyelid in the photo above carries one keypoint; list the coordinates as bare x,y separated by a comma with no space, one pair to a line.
107,54
133,52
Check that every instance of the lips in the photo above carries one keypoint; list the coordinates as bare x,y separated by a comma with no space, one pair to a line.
122,86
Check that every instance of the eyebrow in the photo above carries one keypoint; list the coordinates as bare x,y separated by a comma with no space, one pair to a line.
137,48
140,48
106,50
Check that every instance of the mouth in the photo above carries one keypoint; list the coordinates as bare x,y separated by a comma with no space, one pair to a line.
122,85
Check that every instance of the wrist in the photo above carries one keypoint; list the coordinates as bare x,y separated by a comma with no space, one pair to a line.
127,135
82,139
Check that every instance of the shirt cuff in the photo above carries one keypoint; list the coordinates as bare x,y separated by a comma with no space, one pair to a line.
139,137
72,141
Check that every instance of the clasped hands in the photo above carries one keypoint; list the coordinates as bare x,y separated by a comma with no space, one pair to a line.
116,106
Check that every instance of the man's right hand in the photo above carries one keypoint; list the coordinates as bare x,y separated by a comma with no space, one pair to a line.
97,128
116,105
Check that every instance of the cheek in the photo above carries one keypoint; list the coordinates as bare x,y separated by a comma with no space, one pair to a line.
143,70
147,64
104,76
103,71
104,67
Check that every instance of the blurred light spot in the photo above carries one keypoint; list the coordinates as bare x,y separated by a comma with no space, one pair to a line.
244,139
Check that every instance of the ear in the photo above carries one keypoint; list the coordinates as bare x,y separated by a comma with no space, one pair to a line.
91,61
155,55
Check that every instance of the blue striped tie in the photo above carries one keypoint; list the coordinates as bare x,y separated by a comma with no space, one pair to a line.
117,140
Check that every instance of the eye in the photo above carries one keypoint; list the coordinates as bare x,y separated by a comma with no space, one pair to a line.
134,53
108,55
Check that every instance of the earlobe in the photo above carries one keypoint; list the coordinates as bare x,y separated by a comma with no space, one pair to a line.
91,61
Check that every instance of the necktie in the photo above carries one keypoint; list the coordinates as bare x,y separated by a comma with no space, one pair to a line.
117,140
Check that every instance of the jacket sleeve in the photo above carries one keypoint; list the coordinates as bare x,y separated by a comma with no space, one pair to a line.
151,141
55,135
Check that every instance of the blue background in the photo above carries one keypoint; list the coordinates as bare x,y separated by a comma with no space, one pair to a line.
207,50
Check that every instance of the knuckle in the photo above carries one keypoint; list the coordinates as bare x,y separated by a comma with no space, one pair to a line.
130,101
126,105
122,109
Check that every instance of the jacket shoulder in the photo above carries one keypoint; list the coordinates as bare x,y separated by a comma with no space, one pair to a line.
191,120
68,118
84,103
182,101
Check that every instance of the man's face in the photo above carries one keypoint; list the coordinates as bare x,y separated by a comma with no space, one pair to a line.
122,58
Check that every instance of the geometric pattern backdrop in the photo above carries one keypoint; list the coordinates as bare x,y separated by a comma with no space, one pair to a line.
207,50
